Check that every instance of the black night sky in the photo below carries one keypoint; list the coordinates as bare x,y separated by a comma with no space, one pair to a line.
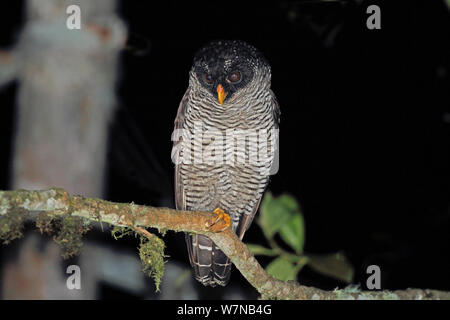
365,122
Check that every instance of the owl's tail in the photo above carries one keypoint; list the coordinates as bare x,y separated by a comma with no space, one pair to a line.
211,266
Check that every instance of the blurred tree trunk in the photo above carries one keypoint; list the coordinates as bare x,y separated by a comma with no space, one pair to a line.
65,102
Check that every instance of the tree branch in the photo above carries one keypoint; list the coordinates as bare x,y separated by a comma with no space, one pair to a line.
57,202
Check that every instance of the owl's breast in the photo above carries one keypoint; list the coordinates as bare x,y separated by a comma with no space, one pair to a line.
226,157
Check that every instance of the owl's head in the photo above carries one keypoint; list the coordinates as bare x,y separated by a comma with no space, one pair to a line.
226,68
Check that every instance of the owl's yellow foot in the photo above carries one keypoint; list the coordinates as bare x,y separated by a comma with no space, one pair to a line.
222,222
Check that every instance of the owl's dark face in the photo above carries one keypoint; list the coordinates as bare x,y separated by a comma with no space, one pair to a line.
226,67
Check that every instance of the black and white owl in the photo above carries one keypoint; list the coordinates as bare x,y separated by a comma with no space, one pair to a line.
228,105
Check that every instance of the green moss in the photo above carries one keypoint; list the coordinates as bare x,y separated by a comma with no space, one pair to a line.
352,288
162,231
151,252
71,230
120,232
387,295
343,295
67,231
44,222
11,225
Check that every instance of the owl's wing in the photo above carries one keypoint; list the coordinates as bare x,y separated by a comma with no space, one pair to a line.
246,220
180,196
180,200
275,110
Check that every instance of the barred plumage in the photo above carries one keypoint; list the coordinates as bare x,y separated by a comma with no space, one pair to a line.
228,176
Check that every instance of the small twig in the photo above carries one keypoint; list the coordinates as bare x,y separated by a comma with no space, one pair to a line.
143,232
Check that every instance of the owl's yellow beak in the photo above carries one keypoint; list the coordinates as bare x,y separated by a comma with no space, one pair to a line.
221,94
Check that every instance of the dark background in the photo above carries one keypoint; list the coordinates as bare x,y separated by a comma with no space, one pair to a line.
364,127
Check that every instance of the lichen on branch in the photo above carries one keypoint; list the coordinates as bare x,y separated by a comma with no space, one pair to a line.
56,203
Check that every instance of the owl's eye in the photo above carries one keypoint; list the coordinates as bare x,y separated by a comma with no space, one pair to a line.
234,77
207,78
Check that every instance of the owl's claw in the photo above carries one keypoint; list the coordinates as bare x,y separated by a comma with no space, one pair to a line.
222,222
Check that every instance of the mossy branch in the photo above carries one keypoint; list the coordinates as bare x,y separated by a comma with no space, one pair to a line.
57,203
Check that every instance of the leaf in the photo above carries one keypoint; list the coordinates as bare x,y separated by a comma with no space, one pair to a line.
282,269
293,232
260,250
333,265
275,212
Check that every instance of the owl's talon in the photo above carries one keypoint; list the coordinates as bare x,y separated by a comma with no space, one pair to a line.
222,222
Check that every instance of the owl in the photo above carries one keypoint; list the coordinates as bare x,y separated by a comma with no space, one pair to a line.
225,145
